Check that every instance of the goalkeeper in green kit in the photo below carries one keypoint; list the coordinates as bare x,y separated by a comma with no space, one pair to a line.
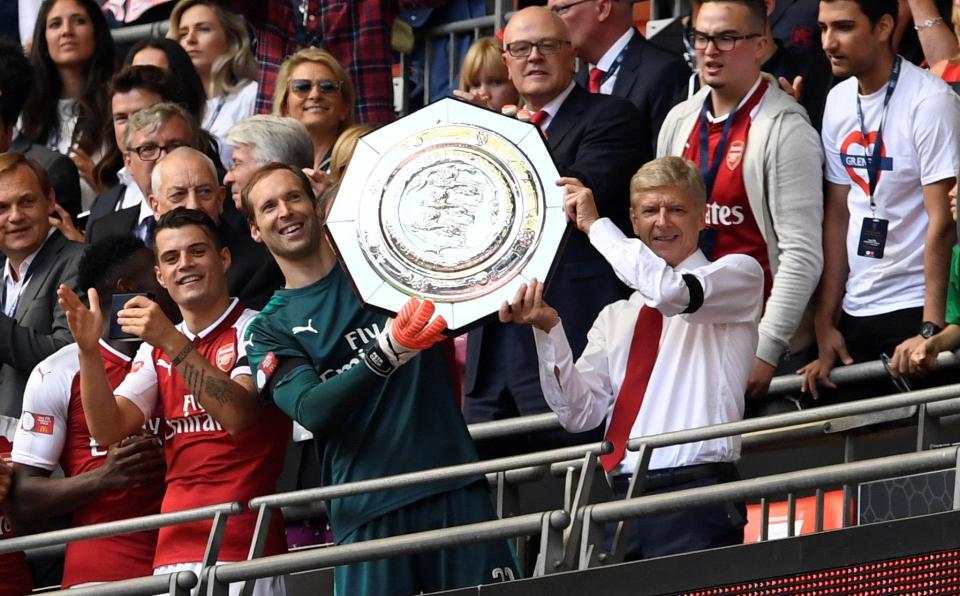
377,394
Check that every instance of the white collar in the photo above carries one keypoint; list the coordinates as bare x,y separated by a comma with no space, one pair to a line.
553,106
746,98
191,336
606,61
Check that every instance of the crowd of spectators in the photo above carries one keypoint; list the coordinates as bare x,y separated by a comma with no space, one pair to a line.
176,328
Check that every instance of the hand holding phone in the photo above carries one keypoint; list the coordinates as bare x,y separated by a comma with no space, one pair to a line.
116,305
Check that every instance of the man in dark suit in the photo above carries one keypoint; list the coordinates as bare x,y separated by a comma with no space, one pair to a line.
594,138
15,76
35,260
618,60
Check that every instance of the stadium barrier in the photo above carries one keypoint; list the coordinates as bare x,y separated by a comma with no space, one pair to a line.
175,584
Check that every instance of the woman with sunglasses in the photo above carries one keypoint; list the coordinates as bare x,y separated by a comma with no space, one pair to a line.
72,59
313,87
218,44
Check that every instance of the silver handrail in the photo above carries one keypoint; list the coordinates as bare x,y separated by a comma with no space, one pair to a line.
175,584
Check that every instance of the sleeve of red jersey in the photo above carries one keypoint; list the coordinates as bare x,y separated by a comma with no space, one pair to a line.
140,384
42,432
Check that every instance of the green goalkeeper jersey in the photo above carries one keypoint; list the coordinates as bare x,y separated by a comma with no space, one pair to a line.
306,348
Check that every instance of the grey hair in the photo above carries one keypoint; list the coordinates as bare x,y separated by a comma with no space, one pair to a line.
185,152
274,138
669,171
155,116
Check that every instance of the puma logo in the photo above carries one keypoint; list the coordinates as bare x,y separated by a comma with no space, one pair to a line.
249,342
308,327
166,365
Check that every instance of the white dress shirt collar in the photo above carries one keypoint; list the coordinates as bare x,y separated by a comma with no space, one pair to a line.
606,61
553,106
15,286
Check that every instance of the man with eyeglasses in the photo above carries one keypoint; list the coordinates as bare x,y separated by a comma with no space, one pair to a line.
597,139
761,161
151,132
620,61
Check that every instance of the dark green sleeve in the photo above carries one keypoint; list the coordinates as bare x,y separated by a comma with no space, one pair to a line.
953,288
323,406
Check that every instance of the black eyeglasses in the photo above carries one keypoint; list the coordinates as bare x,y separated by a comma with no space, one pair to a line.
724,42
546,47
562,9
302,87
153,152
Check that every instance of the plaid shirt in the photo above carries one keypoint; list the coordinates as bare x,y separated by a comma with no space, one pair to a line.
356,32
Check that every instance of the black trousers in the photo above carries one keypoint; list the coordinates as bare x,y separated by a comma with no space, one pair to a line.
683,531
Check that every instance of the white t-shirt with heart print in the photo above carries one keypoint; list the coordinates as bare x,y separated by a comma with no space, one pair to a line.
921,145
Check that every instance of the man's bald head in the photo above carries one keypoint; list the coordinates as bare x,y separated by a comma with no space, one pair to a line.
538,76
186,178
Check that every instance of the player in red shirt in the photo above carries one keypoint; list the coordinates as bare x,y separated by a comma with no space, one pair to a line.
15,577
99,484
221,442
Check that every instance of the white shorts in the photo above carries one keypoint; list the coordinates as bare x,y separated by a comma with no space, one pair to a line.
273,586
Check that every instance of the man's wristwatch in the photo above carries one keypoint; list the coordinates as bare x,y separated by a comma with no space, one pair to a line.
928,329
927,24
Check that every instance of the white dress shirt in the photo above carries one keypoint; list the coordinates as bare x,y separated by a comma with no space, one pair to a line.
553,106
704,359
133,196
14,287
607,61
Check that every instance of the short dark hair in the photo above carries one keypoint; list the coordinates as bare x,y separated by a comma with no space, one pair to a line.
875,9
16,79
107,261
265,171
182,217
148,78
11,160
757,8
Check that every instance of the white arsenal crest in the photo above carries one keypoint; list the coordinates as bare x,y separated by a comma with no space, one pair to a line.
735,154
225,358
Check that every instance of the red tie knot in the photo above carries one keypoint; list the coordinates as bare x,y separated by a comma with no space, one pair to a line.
538,118
596,78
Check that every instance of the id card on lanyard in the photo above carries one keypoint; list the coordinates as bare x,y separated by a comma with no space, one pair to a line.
873,231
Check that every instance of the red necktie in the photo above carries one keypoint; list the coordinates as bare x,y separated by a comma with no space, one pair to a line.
538,118
643,354
596,78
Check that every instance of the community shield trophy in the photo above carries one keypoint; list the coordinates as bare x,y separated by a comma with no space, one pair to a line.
454,203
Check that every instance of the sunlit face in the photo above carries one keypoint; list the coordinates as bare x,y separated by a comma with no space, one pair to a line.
124,105
69,34
202,36
668,220
736,67
186,181
24,213
538,77
284,218
243,164
318,110
849,39
496,87
151,57
175,132
190,267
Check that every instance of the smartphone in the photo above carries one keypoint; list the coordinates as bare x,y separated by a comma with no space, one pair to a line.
116,333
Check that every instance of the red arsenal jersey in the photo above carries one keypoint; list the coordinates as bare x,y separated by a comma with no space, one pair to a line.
15,577
53,430
728,208
205,464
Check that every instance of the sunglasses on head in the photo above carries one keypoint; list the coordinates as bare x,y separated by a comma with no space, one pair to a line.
303,86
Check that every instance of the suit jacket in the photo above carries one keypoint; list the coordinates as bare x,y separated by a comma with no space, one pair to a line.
253,275
62,172
39,326
653,80
106,203
114,223
595,138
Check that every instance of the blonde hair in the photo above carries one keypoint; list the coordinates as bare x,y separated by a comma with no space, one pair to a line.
483,56
669,171
238,65
343,149
319,56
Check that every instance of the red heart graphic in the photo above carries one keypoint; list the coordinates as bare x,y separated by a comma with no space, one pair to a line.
855,138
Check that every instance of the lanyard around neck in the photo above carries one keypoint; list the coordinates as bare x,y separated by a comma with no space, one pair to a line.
876,159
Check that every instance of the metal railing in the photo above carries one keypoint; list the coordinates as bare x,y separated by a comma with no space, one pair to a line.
592,550
134,33
174,584
549,524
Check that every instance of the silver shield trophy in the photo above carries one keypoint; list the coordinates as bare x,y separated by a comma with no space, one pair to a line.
454,203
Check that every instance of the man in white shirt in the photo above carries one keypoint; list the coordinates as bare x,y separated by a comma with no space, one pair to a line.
692,373
618,60
891,135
